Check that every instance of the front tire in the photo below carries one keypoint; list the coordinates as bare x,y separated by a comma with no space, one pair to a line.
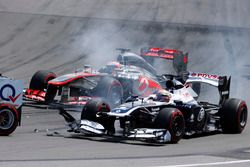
40,79
171,119
8,120
111,90
233,115
93,111
92,108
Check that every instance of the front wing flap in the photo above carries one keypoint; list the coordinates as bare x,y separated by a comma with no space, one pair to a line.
34,95
157,135
91,127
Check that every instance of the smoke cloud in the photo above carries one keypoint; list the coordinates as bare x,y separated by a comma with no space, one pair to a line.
49,37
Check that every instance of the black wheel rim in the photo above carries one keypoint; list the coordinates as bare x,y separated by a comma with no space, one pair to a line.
177,127
6,119
243,117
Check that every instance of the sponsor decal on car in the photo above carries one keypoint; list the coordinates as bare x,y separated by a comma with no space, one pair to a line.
203,75
8,93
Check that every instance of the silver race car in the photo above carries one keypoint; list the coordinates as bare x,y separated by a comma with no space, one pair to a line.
116,81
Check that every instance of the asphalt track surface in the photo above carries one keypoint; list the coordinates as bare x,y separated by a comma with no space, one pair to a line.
63,35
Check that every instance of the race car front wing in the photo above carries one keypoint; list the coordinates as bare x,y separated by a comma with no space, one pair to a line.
156,135
94,128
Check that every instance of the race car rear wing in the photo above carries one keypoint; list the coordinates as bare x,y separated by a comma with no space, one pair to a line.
221,82
129,58
179,58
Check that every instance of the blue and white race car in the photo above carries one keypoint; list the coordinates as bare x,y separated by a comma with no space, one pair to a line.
167,115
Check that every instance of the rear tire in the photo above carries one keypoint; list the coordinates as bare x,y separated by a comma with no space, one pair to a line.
233,115
40,79
8,120
172,120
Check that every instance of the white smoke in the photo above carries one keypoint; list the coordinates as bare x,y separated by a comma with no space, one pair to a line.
100,41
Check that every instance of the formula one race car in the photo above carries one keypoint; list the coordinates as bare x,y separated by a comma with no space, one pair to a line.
166,115
10,104
115,82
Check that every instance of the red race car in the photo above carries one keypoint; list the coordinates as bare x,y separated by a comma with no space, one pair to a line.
115,82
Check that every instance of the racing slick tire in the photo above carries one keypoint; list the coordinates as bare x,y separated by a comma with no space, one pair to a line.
95,110
39,80
171,119
8,119
111,90
92,107
233,115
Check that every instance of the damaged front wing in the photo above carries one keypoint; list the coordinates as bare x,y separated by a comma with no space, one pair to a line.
153,135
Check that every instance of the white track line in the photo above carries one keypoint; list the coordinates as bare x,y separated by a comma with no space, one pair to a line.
209,164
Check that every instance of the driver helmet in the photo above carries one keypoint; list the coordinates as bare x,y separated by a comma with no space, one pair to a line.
110,67
163,95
